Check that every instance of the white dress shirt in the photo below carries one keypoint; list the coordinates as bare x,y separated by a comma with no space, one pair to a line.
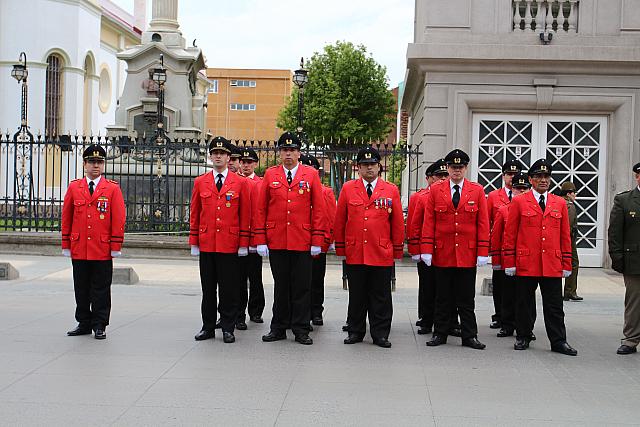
95,182
537,196
373,184
451,183
224,175
293,171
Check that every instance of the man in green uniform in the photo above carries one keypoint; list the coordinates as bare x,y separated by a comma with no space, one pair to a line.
568,191
624,250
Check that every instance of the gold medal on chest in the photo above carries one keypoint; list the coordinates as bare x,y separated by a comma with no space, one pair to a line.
101,216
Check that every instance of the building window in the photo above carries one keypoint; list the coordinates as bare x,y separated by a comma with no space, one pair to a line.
242,107
214,86
243,83
53,95
104,92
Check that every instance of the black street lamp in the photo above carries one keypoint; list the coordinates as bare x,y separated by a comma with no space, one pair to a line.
160,77
23,153
160,181
300,78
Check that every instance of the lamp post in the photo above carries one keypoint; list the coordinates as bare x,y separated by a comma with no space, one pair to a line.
23,182
160,77
160,183
300,78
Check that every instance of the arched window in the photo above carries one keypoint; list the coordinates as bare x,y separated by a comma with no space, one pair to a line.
87,95
53,95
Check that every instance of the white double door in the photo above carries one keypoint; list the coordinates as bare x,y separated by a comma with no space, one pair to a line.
576,146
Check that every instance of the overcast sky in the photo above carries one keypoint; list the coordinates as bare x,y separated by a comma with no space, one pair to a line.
276,33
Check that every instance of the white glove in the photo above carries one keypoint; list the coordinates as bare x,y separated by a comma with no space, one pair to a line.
66,252
116,254
496,267
566,273
483,260
253,249
315,250
341,257
426,258
263,250
332,247
511,271
243,251
416,258
195,251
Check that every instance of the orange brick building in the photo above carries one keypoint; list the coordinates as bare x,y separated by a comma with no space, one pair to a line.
244,104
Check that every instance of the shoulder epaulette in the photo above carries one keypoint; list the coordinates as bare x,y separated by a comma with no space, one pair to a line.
624,192
77,179
113,181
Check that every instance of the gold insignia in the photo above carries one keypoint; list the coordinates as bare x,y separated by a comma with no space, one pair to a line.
367,155
543,168
219,144
246,154
457,160
521,181
96,154
289,141
443,168
471,202
513,167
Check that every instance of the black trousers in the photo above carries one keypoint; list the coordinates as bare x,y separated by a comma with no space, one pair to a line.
370,294
92,288
219,271
551,290
497,282
291,290
426,294
318,271
251,298
455,290
510,303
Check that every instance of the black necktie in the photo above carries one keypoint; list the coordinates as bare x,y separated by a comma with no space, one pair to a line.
510,195
369,190
541,203
456,196
289,177
91,184
219,182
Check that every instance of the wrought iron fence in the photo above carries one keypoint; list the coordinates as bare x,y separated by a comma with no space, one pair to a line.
156,177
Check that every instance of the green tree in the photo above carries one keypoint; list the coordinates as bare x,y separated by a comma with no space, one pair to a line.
346,102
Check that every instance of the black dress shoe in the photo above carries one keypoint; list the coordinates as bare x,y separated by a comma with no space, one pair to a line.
79,330
218,325
419,322
532,337
317,321
564,348
353,339
521,344
304,339
495,324
437,340
576,298
310,328
228,337
423,330
505,333
274,336
566,299
100,334
456,332
241,326
205,335
626,349
382,342
345,328
473,343
256,319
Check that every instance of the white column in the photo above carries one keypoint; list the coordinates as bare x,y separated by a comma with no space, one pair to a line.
540,16
140,14
164,15
573,16
528,19
517,19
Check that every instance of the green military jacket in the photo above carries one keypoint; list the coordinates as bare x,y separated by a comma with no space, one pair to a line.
573,226
624,232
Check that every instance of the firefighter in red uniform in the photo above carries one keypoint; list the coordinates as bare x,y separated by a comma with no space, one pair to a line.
520,185
495,200
253,300
290,232
437,171
537,251
455,238
93,219
369,232
219,222
319,263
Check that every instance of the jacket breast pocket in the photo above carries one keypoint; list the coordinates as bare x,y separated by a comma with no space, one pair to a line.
79,204
531,219
471,210
555,218
206,198
440,210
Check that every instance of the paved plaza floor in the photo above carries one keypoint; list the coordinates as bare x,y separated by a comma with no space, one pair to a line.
150,371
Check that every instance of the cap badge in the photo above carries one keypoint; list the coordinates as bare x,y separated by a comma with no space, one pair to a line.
543,168
513,167
289,141
246,154
219,144
96,154
457,160
367,155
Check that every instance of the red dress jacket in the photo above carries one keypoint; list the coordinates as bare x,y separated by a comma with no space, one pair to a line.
220,219
255,184
285,218
415,216
497,235
455,237
93,225
330,215
369,231
495,200
537,244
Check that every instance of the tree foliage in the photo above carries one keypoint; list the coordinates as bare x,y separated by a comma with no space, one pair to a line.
346,98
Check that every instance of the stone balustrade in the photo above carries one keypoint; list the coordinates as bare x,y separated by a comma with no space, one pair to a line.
545,16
